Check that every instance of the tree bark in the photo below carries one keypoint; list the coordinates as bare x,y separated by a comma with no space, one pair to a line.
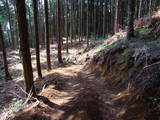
95,21
35,7
10,25
87,23
47,36
71,22
116,17
131,8
24,46
42,24
150,6
140,6
16,28
67,26
81,20
104,19
31,35
2,43
112,16
59,37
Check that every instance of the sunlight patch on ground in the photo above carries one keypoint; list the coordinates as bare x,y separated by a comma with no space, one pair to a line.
156,14
69,71
57,97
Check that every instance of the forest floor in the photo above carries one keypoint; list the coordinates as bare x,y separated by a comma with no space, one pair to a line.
12,94
78,94
68,92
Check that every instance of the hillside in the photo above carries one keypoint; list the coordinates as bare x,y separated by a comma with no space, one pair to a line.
112,79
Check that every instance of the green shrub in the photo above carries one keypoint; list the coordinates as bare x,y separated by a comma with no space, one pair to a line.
15,105
141,32
103,49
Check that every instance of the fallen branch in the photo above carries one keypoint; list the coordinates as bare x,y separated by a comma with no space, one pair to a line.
151,65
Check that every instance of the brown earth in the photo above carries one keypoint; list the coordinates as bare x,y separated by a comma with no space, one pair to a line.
74,93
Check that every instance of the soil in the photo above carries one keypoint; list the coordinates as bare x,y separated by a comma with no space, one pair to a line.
71,92
81,95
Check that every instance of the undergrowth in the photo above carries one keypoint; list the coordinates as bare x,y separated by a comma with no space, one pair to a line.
103,49
141,33
106,47
15,105
125,64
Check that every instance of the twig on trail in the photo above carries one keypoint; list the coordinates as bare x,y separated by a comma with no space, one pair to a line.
43,88
10,113
29,95
28,98
151,65
21,89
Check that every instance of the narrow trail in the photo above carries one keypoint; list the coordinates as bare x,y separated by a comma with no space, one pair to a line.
78,95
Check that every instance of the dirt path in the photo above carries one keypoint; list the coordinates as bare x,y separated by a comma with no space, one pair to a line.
77,95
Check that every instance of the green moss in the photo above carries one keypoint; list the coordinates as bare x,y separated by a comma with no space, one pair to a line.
142,29
103,49
15,105
106,47
141,33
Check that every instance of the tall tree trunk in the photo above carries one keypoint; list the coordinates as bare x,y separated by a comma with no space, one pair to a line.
9,39
100,15
47,36
53,20
87,23
16,28
76,21
71,22
81,20
131,8
2,43
95,21
42,24
150,6
24,46
31,36
140,6
10,25
97,17
35,7
50,20
136,9
15,25
116,17
59,37
104,18
112,15
67,27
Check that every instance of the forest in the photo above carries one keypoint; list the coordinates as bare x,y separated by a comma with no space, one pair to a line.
79,59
